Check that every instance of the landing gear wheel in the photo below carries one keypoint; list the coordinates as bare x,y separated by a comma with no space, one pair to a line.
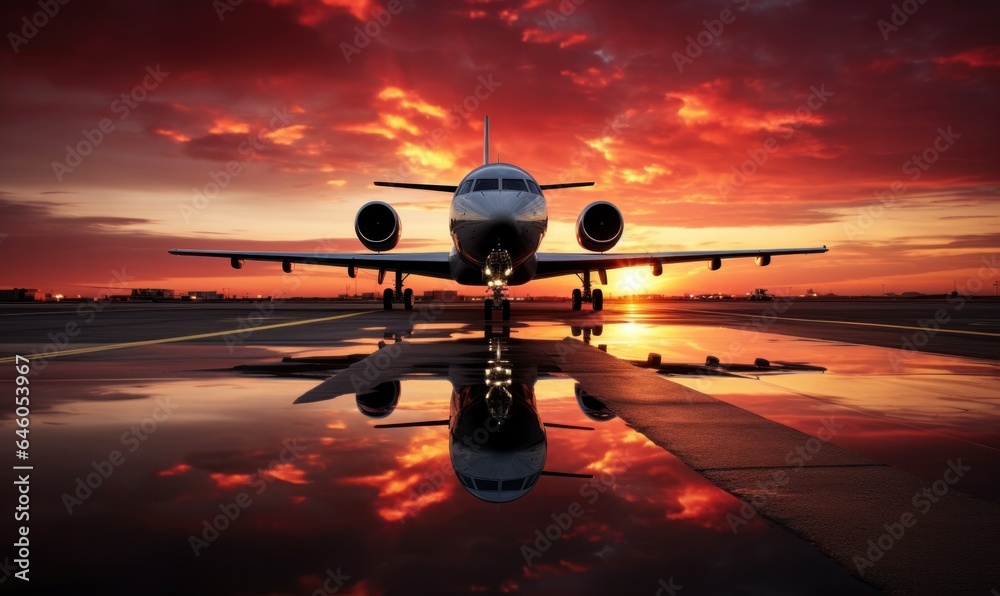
408,299
387,299
577,299
598,297
488,309
505,305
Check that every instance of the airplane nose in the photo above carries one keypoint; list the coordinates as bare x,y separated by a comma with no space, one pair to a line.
502,233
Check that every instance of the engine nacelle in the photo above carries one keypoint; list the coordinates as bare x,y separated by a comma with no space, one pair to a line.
377,226
591,407
380,401
763,260
600,226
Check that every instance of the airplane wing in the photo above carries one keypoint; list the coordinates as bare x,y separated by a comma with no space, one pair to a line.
429,264
555,264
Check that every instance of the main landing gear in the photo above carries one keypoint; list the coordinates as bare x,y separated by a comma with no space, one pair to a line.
594,297
399,295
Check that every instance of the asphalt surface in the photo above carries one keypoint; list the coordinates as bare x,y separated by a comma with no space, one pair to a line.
961,327
843,497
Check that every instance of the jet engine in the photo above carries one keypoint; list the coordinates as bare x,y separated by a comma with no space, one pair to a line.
600,226
380,401
377,226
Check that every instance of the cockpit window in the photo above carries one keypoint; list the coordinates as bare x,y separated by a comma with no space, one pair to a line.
533,187
515,184
487,184
511,484
491,485
466,187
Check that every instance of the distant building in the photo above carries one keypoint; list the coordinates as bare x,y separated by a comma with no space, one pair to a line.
152,294
18,295
442,295
205,295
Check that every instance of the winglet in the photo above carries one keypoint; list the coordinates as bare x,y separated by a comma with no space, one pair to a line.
486,141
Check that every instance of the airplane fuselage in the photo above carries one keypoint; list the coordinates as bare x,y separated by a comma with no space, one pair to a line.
497,208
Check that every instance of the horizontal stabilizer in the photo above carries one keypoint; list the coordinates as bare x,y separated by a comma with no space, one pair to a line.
413,424
415,186
565,474
565,185
567,426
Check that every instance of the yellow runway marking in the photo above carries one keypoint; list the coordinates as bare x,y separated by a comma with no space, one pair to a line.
884,325
168,340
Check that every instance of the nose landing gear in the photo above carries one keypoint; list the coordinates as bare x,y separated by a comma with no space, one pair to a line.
497,270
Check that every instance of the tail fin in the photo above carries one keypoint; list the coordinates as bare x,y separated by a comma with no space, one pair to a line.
486,141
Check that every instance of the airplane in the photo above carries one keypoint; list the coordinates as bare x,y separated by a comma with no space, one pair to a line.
498,218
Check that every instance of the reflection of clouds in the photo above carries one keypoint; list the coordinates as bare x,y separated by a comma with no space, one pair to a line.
337,505
287,473
222,480
422,476
174,470
645,477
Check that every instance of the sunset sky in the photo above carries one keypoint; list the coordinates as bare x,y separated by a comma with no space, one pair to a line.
661,103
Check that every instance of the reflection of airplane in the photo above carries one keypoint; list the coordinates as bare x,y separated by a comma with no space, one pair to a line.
498,218
497,441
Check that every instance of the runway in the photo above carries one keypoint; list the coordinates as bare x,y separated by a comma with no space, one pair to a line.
801,472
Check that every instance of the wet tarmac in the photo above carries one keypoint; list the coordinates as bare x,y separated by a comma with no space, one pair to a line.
299,448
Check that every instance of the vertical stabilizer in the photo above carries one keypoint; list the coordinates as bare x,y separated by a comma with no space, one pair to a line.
486,141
